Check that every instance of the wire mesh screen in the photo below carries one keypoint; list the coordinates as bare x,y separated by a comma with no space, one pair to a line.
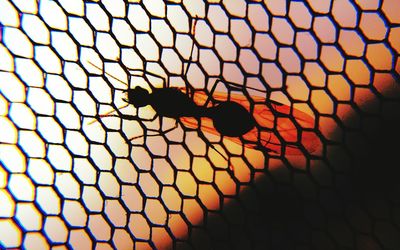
82,169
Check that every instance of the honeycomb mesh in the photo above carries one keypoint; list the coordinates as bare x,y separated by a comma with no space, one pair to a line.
320,172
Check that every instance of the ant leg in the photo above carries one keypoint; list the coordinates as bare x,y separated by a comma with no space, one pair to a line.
156,131
223,156
192,49
123,116
212,92
240,87
147,129
265,143
209,143
215,86
169,129
187,87
165,131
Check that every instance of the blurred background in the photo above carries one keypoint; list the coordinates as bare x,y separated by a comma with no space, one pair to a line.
72,179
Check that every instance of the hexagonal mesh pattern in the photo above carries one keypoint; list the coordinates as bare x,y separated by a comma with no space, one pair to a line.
321,78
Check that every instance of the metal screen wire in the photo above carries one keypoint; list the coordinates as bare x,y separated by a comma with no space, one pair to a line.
319,77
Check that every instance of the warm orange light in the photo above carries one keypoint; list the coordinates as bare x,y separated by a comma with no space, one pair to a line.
65,180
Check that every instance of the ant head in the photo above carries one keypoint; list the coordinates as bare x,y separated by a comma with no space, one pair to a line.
138,97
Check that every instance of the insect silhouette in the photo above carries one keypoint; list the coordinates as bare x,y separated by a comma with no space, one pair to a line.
229,118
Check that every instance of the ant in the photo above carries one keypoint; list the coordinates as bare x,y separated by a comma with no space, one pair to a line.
229,118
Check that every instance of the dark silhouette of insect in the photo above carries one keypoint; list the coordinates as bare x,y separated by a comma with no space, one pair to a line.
229,118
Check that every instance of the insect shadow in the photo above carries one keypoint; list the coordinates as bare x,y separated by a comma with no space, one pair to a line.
229,118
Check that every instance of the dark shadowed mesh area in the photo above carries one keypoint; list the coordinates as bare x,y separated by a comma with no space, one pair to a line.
80,169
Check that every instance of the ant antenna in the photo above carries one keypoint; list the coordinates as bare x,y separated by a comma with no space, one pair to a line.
108,74
115,78
109,113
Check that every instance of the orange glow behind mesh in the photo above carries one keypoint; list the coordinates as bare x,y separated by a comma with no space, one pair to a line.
79,186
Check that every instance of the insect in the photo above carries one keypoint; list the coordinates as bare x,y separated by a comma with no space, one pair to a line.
229,118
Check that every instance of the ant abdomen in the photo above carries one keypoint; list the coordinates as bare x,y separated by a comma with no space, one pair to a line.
231,119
